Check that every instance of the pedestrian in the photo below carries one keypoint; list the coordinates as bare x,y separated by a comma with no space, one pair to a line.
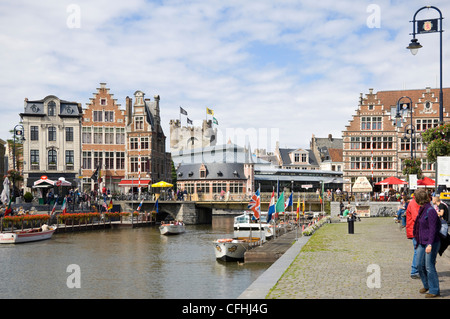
426,233
411,214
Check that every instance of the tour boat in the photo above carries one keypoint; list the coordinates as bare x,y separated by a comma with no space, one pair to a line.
233,249
28,235
245,227
172,228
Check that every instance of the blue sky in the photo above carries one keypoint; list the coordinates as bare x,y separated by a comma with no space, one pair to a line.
288,69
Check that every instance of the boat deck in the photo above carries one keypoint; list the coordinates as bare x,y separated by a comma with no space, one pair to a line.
273,249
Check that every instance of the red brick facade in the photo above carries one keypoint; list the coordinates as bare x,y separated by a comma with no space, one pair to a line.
375,143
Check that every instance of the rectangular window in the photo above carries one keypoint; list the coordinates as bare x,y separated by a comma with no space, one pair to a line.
134,163
52,133
139,123
98,116
98,159
109,135
69,157
109,116
144,143
134,143
87,160
120,160
86,135
371,123
69,134
34,133
98,135
34,157
109,160
120,135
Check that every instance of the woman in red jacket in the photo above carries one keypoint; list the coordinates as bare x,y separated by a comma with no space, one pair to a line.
411,213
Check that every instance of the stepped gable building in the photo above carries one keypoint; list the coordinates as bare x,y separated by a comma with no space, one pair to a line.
376,142
52,146
147,161
103,140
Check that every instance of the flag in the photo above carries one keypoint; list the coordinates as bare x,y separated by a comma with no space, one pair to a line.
288,202
104,204
110,206
189,121
95,175
303,212
271,207
156,204
215,121
320,198
183,111
140,205
254,204
99,177
298,208
209,111
54,207
64,205
8,210
279,206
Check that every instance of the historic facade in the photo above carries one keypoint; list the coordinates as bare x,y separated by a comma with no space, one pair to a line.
52,146
146,158
375,141
191,137
103,140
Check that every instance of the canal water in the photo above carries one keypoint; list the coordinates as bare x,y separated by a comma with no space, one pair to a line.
126,263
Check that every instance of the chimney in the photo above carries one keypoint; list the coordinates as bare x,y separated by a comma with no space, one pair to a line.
129,108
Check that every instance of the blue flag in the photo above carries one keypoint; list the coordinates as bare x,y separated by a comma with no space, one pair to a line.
156,204
271,207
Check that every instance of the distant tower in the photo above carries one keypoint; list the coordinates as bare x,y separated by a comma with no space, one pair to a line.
188,137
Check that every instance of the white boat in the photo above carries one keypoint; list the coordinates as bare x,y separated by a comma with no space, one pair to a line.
245,227
233,249
29,235
172,228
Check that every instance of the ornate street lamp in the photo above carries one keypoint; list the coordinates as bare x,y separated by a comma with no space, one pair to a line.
429,26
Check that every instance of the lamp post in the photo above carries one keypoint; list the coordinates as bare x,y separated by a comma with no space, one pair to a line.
18,132
429,26
411,130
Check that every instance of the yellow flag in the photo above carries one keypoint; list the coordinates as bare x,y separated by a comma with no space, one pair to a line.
209,111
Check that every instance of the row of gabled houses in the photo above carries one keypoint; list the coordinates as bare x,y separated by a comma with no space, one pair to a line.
64,139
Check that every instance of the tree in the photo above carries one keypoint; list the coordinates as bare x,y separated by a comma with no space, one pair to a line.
412,167
437,141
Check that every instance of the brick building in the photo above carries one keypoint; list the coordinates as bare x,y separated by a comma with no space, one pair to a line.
375,142
103,140
147,161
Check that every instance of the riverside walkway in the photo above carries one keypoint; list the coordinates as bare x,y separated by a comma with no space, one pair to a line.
333,264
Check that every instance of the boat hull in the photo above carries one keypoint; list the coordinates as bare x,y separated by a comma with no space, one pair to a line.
172,229
26,236
230,251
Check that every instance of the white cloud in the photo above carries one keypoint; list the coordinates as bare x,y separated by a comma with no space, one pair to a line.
298,66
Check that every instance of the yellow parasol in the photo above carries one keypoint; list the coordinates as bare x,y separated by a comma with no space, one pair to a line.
162,184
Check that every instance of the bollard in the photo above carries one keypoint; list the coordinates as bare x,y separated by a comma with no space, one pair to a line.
351,224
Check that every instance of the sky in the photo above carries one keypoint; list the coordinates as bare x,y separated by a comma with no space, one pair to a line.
271,70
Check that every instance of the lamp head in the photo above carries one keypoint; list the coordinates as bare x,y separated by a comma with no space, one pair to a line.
414,46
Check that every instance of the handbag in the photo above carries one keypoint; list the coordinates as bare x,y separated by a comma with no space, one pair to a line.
444,228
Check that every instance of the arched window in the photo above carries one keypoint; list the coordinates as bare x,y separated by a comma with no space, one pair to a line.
51,108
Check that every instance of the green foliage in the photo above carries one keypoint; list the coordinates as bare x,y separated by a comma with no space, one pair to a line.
28,197
412,167
437,140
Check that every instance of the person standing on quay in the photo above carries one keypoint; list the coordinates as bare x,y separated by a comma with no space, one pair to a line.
411,214
426,233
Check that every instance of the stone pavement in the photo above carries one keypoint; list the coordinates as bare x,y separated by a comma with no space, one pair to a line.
336,265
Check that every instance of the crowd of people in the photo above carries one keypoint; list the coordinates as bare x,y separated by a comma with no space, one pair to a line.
426,224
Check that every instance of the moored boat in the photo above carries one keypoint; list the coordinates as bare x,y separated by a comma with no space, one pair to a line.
28,235
172,228
244,226
233,249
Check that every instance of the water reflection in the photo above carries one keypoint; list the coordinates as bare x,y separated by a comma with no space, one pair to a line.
126,263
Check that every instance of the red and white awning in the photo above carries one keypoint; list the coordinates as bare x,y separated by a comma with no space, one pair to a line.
134,182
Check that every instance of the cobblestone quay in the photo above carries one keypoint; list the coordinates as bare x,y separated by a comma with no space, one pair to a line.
334,264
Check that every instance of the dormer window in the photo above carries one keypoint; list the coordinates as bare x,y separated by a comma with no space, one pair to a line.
51,108
202,171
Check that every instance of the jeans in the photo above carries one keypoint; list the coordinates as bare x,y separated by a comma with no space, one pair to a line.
426,264
414,270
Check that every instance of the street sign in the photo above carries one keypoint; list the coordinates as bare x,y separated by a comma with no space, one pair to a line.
307,186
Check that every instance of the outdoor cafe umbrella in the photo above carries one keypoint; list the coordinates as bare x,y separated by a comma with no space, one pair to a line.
162,184
392,181
426,181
